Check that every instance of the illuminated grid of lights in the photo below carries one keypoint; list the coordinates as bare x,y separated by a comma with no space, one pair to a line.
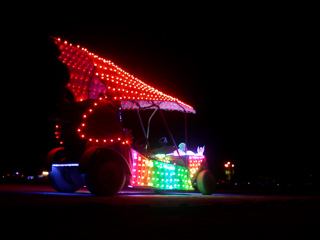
91,75
195,162
160,175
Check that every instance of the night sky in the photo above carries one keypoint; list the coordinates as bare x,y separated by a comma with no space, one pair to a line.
249,75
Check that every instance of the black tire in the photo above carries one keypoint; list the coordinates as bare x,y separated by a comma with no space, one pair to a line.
65,179
106,177
206,182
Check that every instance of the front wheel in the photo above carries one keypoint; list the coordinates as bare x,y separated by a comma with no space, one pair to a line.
106,177
206,182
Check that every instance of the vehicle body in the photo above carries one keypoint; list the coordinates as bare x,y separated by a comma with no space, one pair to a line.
98,152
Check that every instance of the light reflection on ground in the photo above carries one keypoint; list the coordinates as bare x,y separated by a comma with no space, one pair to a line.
44,194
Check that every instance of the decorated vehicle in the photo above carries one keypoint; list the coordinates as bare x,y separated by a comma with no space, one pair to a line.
98,152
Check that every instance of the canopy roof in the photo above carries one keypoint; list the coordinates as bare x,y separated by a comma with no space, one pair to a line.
91,75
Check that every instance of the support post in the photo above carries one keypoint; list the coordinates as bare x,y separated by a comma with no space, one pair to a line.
143,130
165,123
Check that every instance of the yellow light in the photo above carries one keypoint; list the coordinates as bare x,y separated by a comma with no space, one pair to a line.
45,173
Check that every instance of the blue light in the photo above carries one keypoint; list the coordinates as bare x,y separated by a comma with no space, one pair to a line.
65,165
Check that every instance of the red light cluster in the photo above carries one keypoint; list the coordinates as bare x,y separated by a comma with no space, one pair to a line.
58,133
91,75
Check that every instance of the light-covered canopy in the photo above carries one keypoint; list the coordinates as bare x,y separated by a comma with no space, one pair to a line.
91,75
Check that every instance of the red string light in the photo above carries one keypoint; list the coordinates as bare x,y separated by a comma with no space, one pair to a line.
103,141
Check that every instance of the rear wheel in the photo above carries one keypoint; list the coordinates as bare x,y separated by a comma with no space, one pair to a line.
206,182
65,179
106,177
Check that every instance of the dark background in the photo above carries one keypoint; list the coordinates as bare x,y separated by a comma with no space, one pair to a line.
249,71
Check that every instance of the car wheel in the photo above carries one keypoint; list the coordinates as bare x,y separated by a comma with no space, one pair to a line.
206,182
106,177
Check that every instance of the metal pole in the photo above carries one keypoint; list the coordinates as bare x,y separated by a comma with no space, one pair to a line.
148,127
144,131
165,123
185,131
